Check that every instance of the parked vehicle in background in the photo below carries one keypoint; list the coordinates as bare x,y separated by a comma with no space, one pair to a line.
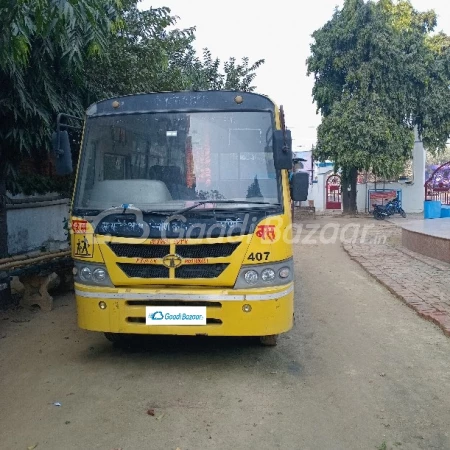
380,212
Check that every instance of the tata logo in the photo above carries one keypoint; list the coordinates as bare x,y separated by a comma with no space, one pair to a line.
172,261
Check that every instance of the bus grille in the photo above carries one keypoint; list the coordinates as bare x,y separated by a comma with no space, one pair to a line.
206,250
200,271
139,251
185,251
144,270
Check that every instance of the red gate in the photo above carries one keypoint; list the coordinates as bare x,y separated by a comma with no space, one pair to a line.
437,186
334,194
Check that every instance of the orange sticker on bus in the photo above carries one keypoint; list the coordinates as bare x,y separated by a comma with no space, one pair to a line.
79,226
266,232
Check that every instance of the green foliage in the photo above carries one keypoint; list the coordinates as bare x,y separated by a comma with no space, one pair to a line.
141,56
358,133
44,45
205,74
378,74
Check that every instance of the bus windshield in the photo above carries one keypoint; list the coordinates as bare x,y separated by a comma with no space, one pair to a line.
167,161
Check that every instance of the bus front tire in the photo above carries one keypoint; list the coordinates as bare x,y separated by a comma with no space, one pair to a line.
118,338
269,341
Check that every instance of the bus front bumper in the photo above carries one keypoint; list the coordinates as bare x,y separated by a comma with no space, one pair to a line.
251,312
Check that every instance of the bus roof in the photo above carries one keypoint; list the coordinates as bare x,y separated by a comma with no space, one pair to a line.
182,101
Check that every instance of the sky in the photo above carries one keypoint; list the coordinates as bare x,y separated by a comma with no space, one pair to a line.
278,33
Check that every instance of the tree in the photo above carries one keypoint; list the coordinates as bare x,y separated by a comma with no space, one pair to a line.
43,48
378,74
144,56
206,74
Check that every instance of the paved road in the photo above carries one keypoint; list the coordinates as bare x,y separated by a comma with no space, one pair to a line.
360,370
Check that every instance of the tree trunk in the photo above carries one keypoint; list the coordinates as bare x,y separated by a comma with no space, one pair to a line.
349,179
3,223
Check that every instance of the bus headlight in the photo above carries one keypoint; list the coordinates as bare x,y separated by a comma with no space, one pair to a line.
265,275
85,274
91,274
268,275
99,275
251,277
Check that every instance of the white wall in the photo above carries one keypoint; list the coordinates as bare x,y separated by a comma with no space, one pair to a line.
413,194
34,225
361,196
317,192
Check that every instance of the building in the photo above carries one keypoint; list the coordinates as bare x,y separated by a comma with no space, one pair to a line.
326,191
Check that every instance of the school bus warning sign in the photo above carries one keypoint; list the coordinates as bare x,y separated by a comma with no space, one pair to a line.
83,245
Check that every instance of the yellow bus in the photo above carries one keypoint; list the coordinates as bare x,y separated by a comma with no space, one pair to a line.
181,217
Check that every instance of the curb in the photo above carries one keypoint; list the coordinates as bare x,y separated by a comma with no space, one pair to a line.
424,310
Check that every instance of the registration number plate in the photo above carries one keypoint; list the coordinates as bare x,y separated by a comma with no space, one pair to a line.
175,315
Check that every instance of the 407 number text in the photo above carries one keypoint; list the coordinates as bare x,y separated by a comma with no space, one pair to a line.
259,256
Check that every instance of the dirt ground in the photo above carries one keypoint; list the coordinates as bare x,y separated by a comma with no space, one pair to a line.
359,370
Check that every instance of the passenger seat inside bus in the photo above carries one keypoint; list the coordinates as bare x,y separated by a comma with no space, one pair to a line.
173,178
108,193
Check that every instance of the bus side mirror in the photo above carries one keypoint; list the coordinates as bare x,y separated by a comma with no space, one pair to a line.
300,186
282,149
62,153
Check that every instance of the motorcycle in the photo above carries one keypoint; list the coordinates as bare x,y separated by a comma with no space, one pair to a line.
380,212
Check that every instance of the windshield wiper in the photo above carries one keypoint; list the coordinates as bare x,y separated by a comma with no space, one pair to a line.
203,202
83,212
157,213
